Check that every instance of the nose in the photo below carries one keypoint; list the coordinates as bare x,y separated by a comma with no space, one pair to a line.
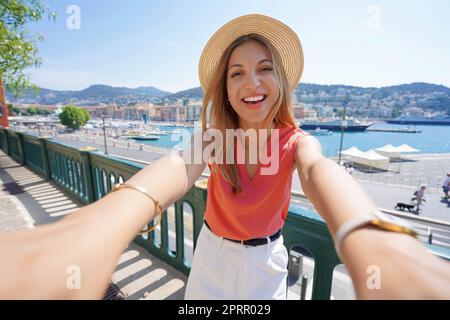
252,80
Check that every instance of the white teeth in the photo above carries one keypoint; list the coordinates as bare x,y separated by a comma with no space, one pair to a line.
252,99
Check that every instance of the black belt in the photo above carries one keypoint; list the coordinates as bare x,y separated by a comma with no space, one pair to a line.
253,242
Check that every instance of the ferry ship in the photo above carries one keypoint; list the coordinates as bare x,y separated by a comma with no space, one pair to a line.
334,125
432,121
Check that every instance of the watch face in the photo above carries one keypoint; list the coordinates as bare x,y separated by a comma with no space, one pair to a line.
392,223
115,186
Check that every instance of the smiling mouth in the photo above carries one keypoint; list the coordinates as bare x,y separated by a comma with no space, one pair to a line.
255,102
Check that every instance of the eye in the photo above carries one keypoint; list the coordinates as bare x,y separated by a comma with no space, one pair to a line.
267,69
235,74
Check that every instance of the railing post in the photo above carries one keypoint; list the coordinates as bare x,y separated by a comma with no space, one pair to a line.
304,287
8,142
179,230
87,173
21,148
200,194
430,236
45,161
5,135
8,146
323,279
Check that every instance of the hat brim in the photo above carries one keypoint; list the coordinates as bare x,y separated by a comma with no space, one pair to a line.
283,38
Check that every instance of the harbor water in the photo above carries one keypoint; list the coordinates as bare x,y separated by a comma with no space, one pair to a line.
431,139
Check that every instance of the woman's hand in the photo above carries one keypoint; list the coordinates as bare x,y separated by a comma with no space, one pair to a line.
388,265
404,267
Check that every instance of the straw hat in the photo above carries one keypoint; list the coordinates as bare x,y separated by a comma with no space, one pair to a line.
283,38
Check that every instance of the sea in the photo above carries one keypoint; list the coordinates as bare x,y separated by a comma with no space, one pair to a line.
431,139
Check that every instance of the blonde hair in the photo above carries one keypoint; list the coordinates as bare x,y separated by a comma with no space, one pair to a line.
222,116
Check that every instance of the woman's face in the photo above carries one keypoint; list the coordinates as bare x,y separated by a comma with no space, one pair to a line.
251,83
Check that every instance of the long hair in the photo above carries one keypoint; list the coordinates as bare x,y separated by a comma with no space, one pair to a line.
222,116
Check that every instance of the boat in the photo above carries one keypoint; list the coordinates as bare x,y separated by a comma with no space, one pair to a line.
320,132
431,121
334,125
143,137
157,133
400,130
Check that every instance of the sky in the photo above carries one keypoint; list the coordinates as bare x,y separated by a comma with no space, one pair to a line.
159,42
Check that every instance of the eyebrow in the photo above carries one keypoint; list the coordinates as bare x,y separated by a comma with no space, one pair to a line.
240,65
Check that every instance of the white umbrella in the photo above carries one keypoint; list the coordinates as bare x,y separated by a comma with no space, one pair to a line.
406,148
389,151
387,148
373,159
372,155
352,152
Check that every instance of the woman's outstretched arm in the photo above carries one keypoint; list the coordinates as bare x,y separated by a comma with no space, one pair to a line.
406,268
37,264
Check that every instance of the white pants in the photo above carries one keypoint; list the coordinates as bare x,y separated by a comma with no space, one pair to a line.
223,269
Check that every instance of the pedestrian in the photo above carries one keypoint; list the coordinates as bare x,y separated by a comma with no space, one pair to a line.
419,196
446,186
350,169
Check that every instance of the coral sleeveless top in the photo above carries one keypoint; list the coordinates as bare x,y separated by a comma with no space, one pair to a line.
262,206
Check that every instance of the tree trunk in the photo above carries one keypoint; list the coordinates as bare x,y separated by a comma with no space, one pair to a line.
3,107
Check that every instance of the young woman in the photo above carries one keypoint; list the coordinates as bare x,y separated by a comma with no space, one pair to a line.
248,70
251,57
246,87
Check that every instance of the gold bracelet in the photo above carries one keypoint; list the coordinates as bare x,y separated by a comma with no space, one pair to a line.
158,209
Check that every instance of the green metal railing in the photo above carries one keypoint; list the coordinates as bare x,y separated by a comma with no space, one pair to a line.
33,153
3,140
307,230
67,169
87,176
14,146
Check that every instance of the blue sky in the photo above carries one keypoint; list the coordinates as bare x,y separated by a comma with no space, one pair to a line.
158,43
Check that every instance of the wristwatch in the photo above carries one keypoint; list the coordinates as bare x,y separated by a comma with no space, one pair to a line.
377,219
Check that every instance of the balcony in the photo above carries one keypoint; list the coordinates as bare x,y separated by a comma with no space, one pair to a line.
60,178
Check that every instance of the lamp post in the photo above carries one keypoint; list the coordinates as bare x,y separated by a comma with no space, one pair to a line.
343,126
104,133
